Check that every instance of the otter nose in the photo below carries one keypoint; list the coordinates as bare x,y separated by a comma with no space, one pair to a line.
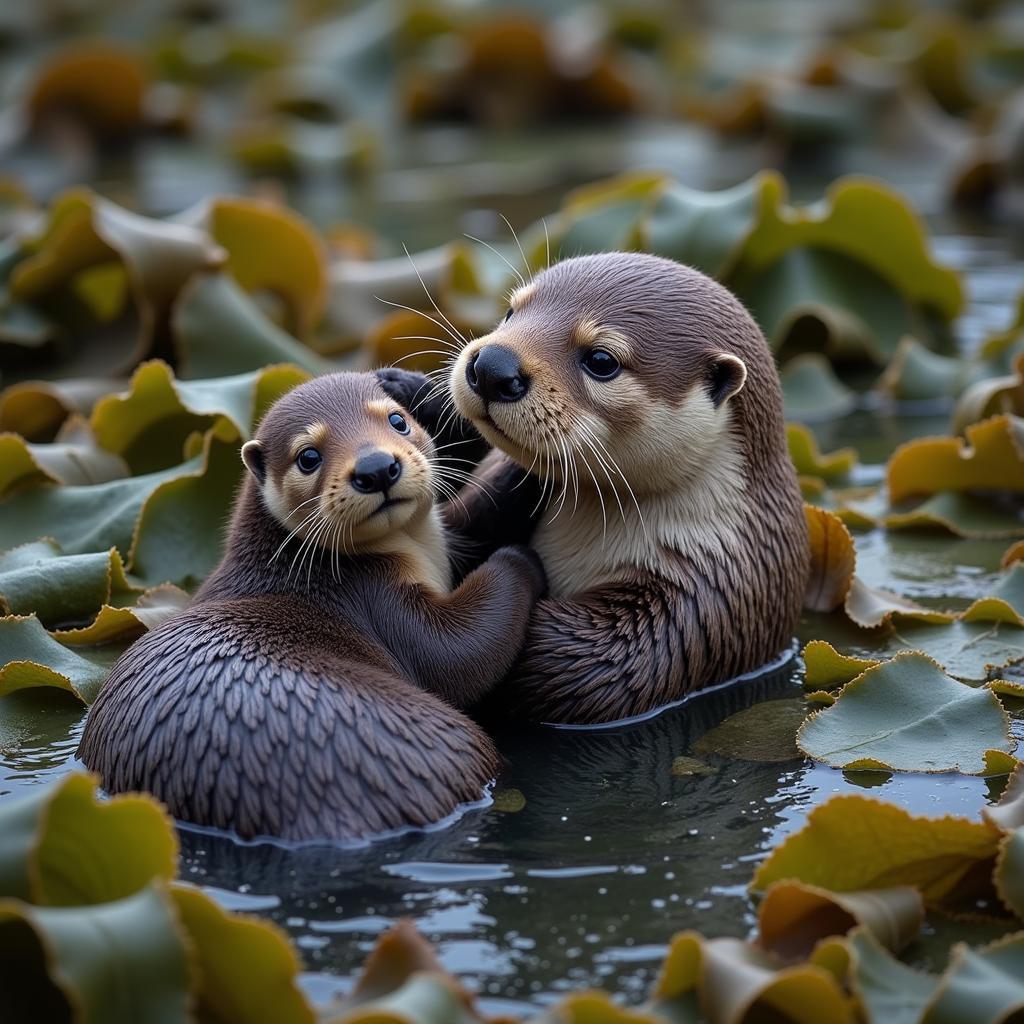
376,472
496,375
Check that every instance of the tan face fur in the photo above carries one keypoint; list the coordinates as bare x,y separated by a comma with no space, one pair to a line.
655,459
344,418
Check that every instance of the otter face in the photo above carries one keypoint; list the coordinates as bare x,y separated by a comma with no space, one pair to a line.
341,465
620,366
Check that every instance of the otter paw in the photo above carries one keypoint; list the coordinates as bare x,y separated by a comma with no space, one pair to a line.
530,561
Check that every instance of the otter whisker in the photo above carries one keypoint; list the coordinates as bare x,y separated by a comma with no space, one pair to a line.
419,312
526,262
597,490
615,466
564,468
430,298
292,533
504,259
300,555
604,469
450,345
547,243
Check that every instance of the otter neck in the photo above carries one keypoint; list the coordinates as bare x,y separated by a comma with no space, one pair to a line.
254,561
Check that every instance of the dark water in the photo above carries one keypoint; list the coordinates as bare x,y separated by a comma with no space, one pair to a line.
597,844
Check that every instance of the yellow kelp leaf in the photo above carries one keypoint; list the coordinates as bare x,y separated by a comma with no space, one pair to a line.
411,341
854,842
248,968
808,458
833,561
732,978
100,83
794,917
991,397
30,657
827,669
270,249
1014,553
74,458
1005,604
991,459
118,624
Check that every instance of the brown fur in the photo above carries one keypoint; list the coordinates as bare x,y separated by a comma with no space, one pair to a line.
697,574
319,704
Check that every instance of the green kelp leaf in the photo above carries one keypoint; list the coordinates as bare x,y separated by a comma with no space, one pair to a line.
853,842
907,715
248,968
117,963
63,847
220,331
970,651
73,459
30,657
827,669
854,214
808,458
179,537
983,986
765,732
965,515
270,249
102,516
916,373
36,409
148,424
38,577
118,625
1005,603
890,992
794,917
812,391
992,459
737,981
1008,814
870,607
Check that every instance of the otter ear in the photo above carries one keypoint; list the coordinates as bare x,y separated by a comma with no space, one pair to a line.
727,375
252,456
402,385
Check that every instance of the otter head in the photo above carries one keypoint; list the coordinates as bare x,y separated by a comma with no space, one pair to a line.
618,364
341,464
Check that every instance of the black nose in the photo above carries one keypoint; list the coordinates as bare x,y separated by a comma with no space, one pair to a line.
496,375
376,472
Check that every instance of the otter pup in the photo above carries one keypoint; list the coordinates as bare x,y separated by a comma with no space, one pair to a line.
646,399
310,689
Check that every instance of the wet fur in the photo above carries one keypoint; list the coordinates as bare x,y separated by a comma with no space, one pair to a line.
709,585
319,705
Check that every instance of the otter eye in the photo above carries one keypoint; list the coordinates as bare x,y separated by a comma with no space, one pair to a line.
508,315
397,420
599,364
308,460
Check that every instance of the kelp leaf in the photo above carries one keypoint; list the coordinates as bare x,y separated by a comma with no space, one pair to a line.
991,459
853,842
808,458
180,531
812,391
1004,604
765,733
794,917
908,715
1009,873
139,934
733,977
270,249
248,968
30,657
965,515
985,985
38,577
1008,813
36,409
833,560
827,669
148,424
73,461
915,373
889,991
220,331
121,624
991,396
870,607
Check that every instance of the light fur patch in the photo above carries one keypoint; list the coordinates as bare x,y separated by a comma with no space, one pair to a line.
522,295
687,472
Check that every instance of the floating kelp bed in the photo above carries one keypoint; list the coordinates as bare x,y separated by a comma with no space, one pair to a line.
138,353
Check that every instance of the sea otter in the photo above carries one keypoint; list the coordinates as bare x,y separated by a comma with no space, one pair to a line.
310,690
645,398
